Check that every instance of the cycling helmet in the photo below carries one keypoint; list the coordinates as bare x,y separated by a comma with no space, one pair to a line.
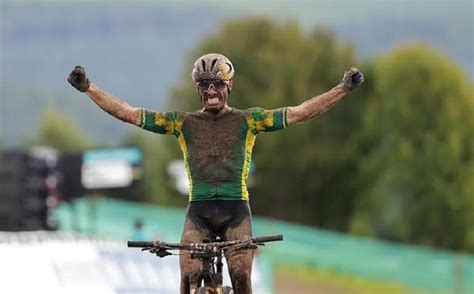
212,66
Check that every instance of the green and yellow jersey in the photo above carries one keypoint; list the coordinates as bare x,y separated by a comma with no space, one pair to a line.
217,152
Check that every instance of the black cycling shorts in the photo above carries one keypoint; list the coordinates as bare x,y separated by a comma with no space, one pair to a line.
217,216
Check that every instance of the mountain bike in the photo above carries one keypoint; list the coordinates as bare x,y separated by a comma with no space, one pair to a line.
210,252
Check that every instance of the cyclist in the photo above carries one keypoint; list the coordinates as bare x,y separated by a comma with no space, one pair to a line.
216,142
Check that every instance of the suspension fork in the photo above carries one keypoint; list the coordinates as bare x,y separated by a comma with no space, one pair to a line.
206,273
218,275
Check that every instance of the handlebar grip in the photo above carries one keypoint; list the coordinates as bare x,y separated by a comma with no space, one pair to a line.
268,238
139,244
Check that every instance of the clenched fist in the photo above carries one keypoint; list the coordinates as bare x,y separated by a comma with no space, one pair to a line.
78,79
352,79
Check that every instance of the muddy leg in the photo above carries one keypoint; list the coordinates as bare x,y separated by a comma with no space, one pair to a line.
191,234
240,262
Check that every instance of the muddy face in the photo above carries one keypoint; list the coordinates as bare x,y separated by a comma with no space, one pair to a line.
214,99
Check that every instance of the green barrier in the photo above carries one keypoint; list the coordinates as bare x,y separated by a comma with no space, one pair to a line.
411,266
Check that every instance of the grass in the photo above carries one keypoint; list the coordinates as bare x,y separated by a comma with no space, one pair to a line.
302,280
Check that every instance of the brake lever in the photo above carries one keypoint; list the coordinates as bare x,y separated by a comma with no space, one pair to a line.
160,252
242,246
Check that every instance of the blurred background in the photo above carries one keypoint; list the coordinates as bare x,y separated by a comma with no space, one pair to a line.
376,195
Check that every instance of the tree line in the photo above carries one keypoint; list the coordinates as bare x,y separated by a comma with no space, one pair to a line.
393,160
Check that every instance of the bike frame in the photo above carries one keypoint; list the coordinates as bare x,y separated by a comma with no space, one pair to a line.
210,273
209,253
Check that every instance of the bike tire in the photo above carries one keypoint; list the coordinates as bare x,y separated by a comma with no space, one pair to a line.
225,290
202,290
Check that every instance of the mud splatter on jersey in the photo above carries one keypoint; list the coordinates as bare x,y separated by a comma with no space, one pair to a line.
217,152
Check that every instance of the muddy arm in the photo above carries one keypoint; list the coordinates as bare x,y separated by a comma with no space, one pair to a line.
315,106
113,105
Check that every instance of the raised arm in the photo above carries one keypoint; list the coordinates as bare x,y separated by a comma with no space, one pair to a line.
322,103
110,104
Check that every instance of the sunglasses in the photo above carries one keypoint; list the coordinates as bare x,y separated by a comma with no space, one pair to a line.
205,85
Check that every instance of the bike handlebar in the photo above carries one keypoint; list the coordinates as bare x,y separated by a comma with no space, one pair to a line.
146,244
140,244
268,238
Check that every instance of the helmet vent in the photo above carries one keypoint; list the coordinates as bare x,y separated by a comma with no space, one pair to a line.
213,64
230,67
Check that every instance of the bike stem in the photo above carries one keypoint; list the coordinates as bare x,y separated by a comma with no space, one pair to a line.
219,270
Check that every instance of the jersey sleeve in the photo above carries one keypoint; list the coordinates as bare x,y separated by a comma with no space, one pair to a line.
166,123
262,120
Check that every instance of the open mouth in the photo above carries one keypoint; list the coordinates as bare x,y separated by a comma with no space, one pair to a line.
214,101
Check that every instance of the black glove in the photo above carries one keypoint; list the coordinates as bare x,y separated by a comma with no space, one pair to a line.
78,79
352,79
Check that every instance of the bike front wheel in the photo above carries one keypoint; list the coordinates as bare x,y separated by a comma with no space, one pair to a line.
225,290
202,290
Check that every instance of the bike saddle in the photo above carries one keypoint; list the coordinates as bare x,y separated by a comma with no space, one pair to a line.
215,238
